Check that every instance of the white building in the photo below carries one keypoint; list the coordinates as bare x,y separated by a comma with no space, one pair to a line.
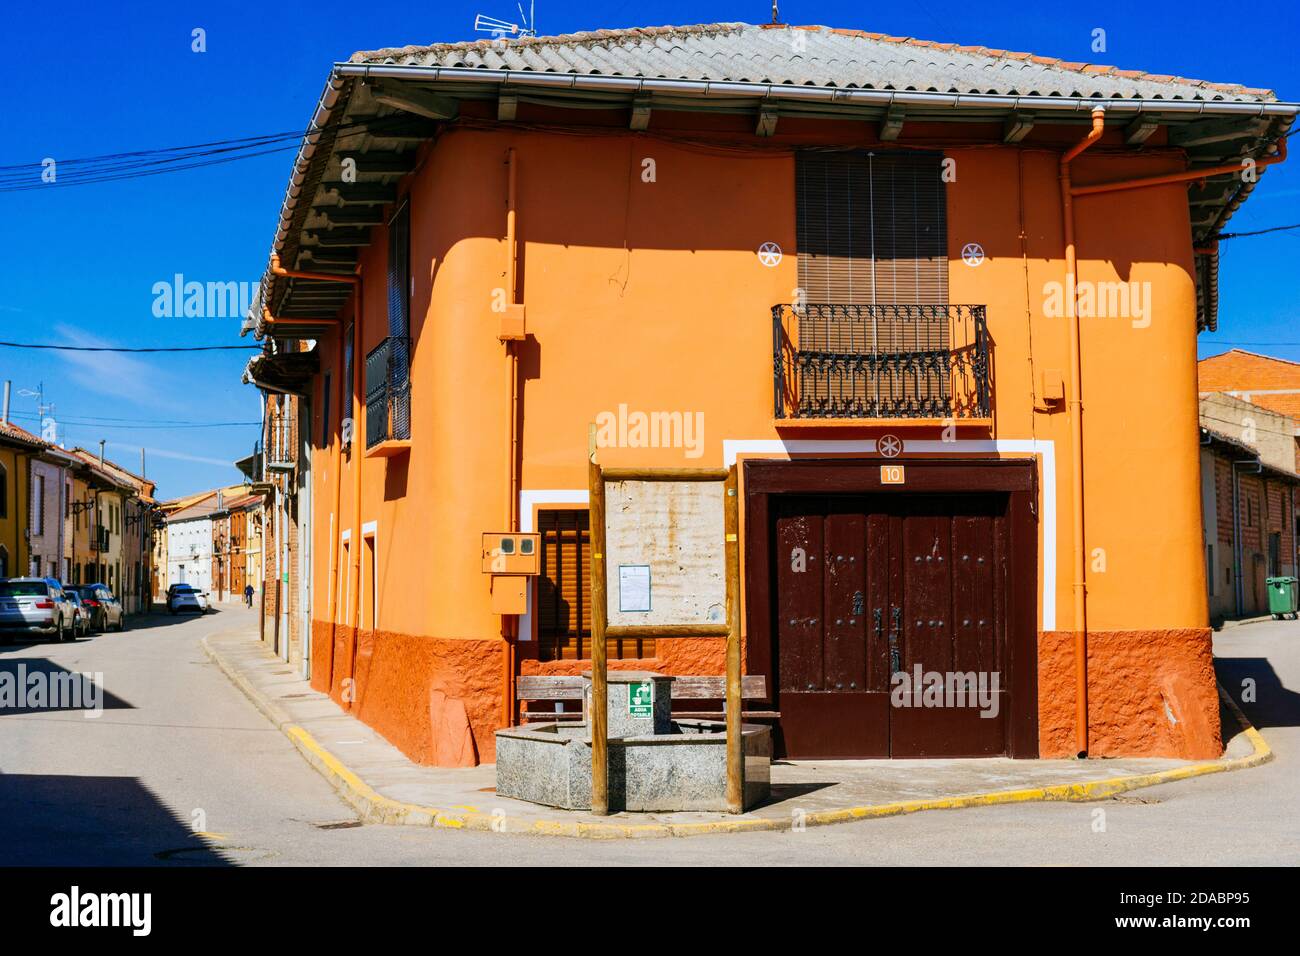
189,544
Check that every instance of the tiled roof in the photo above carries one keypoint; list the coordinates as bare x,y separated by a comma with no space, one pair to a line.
809,56
23,436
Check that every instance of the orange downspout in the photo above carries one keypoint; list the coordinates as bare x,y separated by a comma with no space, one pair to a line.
509,622
337,458
1189,175
1076,439
273,320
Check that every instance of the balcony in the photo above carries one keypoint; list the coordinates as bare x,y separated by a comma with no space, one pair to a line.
388,398
99,538
834,363
281,442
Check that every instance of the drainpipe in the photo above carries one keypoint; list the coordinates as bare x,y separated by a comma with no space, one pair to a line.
510,622
1189,175
1076,439
336,523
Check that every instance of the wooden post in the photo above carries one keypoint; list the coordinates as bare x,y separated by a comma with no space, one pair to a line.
597,715
735,756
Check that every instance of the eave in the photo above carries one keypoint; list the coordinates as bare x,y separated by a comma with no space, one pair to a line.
376,115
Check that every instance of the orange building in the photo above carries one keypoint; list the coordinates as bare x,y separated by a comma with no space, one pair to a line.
807,252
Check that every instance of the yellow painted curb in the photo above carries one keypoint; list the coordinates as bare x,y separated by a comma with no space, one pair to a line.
374,807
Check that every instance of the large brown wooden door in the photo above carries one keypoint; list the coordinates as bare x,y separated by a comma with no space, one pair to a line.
871,587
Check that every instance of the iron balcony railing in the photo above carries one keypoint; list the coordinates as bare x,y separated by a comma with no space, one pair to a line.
99,540
281,441
388,391
880,361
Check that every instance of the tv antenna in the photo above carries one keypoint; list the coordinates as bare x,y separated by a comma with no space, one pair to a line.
526,27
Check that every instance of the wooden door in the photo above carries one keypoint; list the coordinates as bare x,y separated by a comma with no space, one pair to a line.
874,596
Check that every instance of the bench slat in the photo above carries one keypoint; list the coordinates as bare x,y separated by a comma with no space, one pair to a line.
752,687
556,687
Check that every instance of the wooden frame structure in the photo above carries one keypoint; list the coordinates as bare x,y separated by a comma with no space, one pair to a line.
600,630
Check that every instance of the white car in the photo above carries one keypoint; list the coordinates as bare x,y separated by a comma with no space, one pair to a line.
184,597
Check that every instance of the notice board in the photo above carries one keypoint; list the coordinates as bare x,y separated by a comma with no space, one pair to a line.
665,553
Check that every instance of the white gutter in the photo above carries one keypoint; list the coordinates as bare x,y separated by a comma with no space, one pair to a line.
821,94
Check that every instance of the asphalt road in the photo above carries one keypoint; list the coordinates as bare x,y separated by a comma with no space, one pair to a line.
178,749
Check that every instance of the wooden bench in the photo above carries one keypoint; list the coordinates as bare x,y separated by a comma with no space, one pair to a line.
561,688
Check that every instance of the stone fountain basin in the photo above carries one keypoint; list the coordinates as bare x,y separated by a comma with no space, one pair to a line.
684,769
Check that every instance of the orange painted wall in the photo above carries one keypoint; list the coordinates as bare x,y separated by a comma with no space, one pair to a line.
651,294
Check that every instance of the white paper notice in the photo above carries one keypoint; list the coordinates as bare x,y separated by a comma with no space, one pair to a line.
634,587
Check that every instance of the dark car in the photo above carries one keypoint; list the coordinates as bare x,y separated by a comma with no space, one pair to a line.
105,610
81,617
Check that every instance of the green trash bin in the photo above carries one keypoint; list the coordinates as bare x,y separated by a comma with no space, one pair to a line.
1283,597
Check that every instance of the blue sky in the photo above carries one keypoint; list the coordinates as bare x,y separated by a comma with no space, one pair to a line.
80,263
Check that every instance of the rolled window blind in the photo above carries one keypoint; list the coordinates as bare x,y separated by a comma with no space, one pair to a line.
871,227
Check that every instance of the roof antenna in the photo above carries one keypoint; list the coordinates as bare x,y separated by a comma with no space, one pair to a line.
526,27
776,14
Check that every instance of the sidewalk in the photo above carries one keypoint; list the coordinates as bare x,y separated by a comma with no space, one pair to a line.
385,787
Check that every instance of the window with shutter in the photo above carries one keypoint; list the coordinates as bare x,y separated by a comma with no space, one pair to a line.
564,592
872,228
872,329
399,322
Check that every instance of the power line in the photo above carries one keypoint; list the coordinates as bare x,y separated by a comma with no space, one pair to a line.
1257,232
106,348
137,423
111,167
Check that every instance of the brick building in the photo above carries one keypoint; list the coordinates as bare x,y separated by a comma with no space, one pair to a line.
1249,459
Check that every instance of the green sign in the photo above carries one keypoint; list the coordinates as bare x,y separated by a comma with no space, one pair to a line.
641,699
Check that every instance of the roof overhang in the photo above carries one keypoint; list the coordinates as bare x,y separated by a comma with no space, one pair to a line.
378,113
286,373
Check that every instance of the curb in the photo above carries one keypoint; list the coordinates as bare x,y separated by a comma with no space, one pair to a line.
374,807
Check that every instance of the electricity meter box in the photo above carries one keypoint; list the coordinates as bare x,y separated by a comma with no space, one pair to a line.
506,552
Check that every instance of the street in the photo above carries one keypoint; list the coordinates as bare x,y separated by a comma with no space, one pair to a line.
178,749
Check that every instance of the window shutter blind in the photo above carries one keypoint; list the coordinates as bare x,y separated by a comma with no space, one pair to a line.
399,289
399,321
871,228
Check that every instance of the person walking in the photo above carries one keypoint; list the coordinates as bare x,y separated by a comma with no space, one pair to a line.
248,594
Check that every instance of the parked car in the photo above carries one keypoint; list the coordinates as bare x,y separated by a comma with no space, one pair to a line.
186,597
35,606
81,617
105,610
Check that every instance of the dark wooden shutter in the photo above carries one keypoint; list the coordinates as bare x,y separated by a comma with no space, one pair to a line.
399,322
564,592
399,284
872,234
871,228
